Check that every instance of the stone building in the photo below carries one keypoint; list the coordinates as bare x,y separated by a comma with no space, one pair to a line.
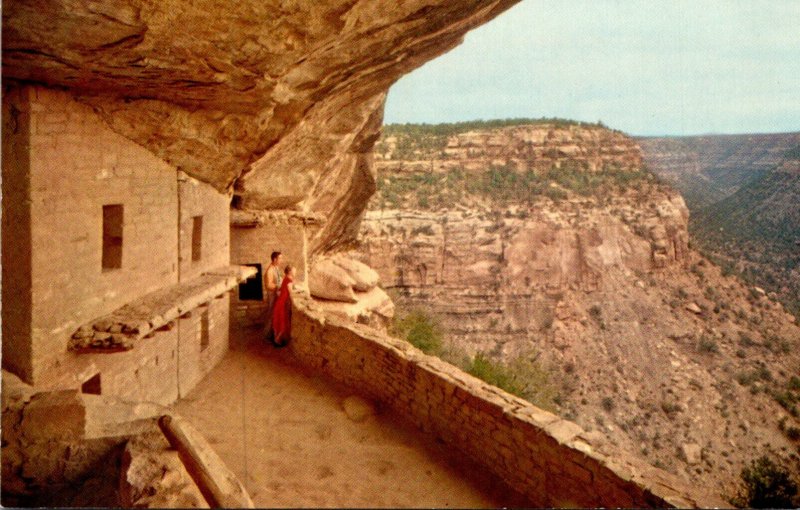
115,264
254,236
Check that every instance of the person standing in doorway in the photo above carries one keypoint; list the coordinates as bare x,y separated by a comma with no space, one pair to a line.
273,277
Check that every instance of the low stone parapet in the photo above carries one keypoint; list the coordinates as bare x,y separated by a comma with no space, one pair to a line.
551,461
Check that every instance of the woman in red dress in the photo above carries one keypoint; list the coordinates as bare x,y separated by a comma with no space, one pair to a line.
282,313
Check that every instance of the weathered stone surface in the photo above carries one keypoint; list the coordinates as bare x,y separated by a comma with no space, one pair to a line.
327,280
373,308
14,390
692,307
347,288
219,484
604,290
364,277
537,147
54,415
547,459
153,475
110,417
357,409
499,271
292,93
692,453
64,437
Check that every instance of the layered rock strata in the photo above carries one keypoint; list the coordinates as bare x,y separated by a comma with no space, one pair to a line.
495,268
539,146
590,275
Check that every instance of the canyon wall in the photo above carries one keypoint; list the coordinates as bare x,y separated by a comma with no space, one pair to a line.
706,169
582,269
497,271
538,146
743,193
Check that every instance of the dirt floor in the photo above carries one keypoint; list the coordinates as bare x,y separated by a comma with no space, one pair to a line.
287,437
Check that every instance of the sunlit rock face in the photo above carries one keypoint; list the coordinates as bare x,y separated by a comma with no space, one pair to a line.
498,272
280,99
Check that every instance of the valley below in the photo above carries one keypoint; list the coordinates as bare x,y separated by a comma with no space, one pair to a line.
743,192
543,256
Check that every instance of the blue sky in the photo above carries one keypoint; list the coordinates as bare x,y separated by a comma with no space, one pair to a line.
647,67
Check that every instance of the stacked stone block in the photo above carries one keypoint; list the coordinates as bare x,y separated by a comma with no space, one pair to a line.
199,199
62,165
195,361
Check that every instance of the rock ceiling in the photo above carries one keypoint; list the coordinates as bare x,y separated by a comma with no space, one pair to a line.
281,99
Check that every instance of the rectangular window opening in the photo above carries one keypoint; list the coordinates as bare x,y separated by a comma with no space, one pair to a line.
92,385
252,289
112,236
197,238
204,337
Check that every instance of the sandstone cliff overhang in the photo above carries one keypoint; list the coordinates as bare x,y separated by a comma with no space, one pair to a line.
290,93
251,219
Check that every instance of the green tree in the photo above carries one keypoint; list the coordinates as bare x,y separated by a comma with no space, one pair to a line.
767,485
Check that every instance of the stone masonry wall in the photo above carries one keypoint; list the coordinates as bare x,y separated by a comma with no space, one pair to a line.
253,245
61,165
77,166
194,359
197,198
550,460
147,373
16,260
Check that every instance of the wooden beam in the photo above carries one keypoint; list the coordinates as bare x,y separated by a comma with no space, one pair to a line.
216,482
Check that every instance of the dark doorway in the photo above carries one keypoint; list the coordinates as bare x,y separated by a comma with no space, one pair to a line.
252,289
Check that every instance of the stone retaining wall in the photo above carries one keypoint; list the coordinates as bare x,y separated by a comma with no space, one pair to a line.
551,461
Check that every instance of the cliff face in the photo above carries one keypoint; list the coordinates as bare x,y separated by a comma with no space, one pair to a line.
522,252
289,93
522,147
488,267
498,279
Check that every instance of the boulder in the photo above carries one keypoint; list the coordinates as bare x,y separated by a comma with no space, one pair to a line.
364,276
692,307
153,476
327,280
56,415
357,409
374,308
692,453
14,390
